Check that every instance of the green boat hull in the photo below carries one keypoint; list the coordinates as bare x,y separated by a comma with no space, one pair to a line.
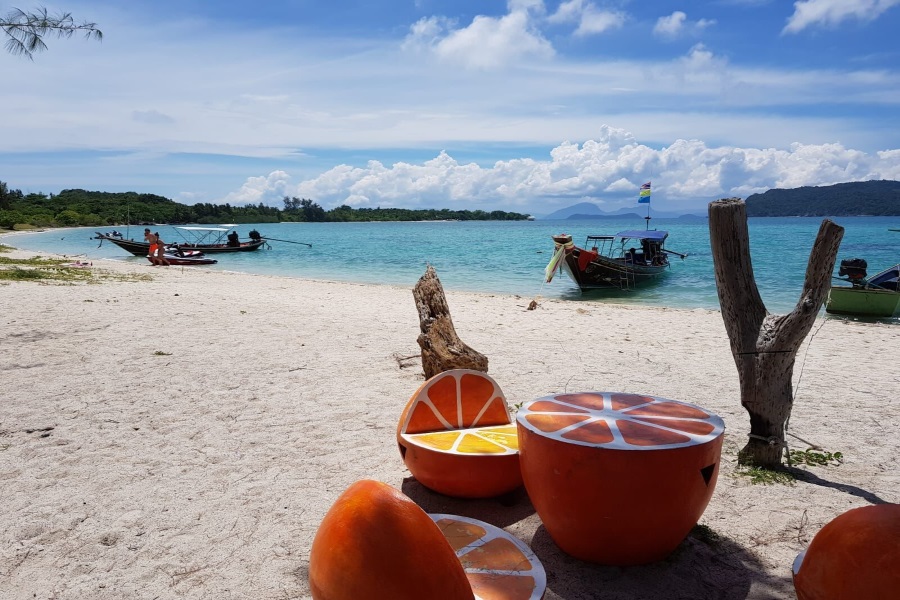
862,302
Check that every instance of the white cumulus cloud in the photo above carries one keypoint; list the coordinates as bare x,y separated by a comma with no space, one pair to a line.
607,169
829,13
269,189
588,18
487,42
677,24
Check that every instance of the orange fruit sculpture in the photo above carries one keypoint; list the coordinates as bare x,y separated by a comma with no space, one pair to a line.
376,543
499,566
457,438
856,555
616,478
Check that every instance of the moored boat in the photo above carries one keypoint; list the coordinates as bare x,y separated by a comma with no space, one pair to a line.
876,296
623,261
209,240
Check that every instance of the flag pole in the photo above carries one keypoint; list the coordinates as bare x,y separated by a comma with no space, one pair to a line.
647,218
644,197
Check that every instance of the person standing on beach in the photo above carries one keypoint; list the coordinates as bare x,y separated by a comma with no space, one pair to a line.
157,248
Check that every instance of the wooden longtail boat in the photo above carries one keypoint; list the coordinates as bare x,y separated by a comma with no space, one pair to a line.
209,240
624,260
877,296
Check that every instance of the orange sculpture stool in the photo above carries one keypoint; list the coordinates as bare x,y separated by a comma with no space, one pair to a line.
855,556
457,438
376,543
618,479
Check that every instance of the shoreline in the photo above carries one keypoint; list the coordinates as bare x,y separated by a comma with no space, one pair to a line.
203,422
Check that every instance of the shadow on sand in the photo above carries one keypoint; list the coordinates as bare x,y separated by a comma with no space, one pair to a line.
712,569
812,478
501,511
705,565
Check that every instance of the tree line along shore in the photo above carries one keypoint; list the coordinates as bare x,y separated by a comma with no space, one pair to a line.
77,207
84,208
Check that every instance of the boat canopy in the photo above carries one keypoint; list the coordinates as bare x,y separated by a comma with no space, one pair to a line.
189,228
651,234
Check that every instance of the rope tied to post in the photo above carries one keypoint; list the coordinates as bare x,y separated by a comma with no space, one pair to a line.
771,440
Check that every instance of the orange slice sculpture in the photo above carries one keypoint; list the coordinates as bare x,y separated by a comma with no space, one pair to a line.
856,555
376,543
616,478
457,438
499,566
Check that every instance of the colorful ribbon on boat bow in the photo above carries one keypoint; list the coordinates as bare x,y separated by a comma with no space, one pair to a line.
555,261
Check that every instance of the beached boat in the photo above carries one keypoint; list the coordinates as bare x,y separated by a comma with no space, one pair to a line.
624,260
208,240
876,296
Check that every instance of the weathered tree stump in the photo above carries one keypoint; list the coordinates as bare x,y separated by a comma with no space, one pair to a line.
442,350
764,346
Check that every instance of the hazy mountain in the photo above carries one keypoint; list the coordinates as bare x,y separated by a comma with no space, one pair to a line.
589,210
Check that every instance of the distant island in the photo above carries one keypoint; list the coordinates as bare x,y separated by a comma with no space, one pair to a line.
100,209
589,210
879,198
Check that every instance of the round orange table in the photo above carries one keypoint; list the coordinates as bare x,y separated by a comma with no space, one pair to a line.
616,478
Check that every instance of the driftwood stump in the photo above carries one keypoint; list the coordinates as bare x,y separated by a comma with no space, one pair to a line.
442,350
764,346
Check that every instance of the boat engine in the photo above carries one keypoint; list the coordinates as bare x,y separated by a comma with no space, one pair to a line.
853,269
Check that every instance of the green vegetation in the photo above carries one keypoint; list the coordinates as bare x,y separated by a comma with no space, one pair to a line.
53,270
861,198
25,31
84,208
763,476
786,475
813,458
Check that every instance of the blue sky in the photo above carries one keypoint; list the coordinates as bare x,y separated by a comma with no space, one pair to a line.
524,105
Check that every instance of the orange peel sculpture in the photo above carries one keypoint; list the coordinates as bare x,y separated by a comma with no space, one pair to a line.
457,438
376,543
499,566
616,478
856,555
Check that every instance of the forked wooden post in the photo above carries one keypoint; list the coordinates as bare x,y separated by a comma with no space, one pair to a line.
442,350
764,346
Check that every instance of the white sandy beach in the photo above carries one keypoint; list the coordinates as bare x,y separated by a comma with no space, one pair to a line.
183,437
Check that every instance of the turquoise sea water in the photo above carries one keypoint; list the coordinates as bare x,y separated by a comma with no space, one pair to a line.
509,257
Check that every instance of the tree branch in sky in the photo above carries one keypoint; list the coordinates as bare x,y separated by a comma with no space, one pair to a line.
26,30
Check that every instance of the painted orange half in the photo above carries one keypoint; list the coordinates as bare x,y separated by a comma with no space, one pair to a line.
457,438
376,543
618,478
498,565
856,555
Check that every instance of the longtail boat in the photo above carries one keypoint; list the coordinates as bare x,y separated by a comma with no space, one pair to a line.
209,240
624,260
875,296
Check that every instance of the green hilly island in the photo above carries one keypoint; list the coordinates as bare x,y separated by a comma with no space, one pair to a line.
860,198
